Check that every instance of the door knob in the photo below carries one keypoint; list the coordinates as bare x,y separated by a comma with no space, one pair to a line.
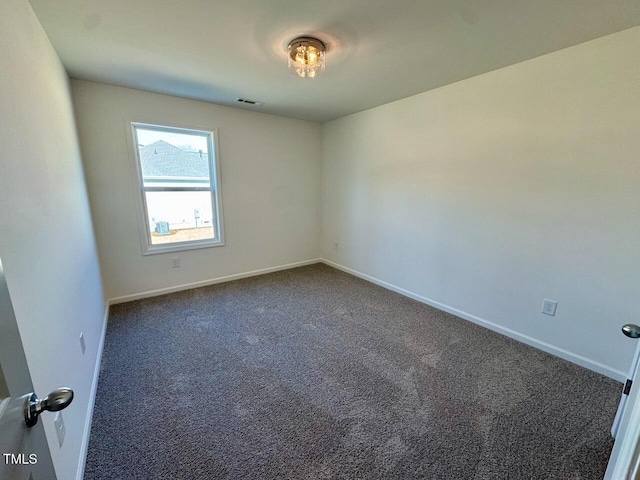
59,399
631,330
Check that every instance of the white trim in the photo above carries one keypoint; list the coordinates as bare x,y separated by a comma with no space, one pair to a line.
181,246
152,293
624,460
559,352
215,186
547,347
84,447
624,398
213,281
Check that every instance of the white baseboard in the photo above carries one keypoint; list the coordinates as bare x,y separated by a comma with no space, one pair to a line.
152,293
92,398
213,281
552,349
547,347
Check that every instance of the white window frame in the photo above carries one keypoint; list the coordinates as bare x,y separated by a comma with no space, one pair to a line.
141,205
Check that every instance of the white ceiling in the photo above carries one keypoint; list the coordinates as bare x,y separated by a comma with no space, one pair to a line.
378,50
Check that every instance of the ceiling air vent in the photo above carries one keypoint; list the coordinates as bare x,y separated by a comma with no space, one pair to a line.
249,102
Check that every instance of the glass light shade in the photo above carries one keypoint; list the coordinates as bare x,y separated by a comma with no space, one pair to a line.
306,57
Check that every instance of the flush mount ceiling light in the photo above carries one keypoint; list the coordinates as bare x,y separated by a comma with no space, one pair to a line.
306,56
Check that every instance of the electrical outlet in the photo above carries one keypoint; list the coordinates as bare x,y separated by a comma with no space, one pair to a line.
83,346
549,307
336,245
61,430
175,262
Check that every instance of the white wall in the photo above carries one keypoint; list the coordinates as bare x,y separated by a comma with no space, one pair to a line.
270,172
496,192
47,243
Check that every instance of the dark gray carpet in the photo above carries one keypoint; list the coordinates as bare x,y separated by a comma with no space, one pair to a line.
311,373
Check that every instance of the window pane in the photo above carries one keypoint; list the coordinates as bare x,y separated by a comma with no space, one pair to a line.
180,217
170,159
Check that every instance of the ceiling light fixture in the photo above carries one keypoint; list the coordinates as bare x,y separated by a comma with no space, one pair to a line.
306,56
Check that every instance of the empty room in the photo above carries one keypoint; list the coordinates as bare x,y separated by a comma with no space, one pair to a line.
297,240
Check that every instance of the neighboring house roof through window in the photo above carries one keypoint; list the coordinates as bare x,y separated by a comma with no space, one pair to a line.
161,159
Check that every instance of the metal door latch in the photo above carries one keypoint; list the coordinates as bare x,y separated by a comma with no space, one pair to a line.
631,330
57,400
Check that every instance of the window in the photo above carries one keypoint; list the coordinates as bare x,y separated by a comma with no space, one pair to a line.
177,172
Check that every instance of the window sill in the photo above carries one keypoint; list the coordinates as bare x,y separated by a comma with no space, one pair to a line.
181,247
